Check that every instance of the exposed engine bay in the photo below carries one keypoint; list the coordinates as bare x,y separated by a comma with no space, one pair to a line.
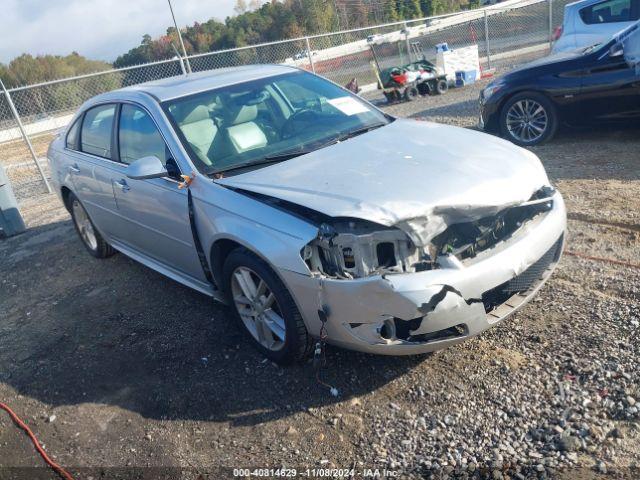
466,240
354,248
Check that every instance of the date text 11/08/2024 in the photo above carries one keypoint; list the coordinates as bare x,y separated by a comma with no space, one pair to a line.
314,473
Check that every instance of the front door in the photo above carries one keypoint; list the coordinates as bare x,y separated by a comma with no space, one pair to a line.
610,90
155,216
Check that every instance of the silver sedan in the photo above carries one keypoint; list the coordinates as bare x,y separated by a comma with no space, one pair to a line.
310,212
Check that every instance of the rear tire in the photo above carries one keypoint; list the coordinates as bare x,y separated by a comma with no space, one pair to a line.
442,87
264,308
88,233
528,119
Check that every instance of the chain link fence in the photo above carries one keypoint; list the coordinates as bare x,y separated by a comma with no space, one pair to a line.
502,32
274,52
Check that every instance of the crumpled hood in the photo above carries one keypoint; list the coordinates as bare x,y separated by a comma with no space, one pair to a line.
418,176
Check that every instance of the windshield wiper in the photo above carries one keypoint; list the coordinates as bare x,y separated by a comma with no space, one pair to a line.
279,157
357,131
262,161
288,154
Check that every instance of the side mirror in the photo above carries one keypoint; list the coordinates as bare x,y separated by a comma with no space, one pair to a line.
147,167
616,50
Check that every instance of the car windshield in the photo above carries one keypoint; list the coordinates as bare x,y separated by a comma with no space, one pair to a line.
267,120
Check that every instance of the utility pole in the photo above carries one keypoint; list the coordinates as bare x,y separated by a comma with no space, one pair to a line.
180,59
184,50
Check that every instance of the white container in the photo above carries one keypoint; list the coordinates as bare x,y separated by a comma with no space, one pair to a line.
461,59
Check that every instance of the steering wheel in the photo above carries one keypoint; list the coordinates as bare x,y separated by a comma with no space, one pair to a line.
289,127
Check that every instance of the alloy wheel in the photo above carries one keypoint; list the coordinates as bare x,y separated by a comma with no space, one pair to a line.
84,225
258,308
527,120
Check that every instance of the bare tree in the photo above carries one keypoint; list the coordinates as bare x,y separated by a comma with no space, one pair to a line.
241,7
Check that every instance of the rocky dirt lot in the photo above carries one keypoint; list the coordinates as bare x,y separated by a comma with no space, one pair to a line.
123,373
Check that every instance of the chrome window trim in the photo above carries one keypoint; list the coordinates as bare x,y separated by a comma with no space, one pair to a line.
136,104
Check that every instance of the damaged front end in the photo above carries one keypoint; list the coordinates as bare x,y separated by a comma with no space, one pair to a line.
381,293
352,248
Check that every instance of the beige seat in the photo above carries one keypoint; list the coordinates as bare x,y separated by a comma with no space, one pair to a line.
243,132
200,131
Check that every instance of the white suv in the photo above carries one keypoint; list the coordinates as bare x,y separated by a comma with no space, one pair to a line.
593,21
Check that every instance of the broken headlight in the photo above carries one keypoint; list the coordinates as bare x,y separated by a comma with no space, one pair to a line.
354,248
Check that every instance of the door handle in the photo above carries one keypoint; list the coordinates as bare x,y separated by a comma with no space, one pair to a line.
123,185
74,168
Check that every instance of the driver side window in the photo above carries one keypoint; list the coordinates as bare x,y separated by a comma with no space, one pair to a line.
138,136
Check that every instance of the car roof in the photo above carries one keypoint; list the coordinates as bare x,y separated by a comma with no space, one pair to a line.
184,85
581,3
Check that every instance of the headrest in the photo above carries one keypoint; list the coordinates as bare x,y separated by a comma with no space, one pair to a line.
243,114
197,114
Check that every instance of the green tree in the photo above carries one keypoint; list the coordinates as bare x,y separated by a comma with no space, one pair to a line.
27,69
412,9
390,11
279,20
63,96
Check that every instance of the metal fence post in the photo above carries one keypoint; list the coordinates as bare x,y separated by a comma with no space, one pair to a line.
180,59
406,40
25,136
550,2
486,39
309,54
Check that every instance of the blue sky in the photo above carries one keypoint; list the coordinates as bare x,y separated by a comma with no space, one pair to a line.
100,29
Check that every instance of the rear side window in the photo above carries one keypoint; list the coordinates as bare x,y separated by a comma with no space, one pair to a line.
139,136
97,129
611,11
72,136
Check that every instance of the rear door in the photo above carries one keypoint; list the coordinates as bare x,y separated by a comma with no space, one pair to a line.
89,150
154,212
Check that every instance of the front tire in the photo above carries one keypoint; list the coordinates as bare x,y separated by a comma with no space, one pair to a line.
528,119
390,96
411,93
264,308
89,235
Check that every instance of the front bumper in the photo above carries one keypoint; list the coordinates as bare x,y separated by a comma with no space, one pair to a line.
488,110
439,307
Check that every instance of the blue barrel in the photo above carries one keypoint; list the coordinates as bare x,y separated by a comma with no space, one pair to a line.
11,222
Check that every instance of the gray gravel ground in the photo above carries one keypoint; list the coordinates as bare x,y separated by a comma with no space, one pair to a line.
141,372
